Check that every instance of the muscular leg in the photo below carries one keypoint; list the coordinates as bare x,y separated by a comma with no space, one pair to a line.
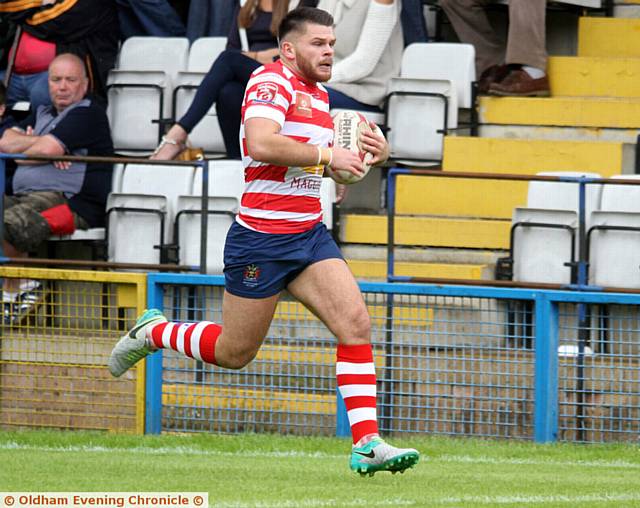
246,322
328,289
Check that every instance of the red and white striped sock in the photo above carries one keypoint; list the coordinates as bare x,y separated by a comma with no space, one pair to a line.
356,375
195,340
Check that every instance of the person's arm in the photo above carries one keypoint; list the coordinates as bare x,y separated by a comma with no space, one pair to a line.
264,56
266,144
382,17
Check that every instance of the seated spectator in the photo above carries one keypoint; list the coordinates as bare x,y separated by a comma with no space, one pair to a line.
364,65
259,20
87,28
55,198
520,68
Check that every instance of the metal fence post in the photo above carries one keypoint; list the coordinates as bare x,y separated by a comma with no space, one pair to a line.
546,370
153,381
343,429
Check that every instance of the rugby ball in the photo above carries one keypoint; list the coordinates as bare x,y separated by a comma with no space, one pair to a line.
347,127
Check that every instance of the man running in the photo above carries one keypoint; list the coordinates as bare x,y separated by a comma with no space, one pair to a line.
279,242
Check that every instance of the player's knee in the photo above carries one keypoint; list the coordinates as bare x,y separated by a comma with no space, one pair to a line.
360,324
241,359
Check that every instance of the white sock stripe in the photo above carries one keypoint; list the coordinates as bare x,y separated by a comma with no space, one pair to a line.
196,336
182,329
166,335
361,414
355,368
180,339
357,391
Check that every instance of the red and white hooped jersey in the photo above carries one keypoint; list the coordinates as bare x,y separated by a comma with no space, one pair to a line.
281,199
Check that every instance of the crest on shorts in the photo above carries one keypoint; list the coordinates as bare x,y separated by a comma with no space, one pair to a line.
266,92
250,275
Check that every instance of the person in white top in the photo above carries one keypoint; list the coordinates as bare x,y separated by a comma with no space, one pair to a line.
279,242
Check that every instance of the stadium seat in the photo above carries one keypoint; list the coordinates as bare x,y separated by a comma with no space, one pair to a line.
226,183
95,236
614,259
435,80
544,241
140,216
206,134
140,90
327,199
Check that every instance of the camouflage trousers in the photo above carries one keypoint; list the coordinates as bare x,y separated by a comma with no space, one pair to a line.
24,226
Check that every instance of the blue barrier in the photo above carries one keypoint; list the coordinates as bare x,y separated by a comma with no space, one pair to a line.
547,304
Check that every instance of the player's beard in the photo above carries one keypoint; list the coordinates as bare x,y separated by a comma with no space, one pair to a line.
313,72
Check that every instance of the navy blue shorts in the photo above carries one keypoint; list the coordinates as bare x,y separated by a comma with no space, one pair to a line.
259,265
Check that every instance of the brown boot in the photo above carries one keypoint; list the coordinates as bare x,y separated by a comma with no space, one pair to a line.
519,83
494,74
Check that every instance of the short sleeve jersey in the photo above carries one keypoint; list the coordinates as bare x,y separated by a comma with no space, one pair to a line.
281,199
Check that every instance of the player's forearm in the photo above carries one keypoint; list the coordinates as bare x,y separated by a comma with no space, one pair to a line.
283,151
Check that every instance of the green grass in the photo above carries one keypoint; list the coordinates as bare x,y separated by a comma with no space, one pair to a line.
274,471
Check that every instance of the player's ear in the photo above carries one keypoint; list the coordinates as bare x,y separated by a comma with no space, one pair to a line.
288,50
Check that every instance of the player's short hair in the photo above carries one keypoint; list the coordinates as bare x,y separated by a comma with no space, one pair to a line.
3,93
296,20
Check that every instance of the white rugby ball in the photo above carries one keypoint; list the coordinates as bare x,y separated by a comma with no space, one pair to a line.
347,126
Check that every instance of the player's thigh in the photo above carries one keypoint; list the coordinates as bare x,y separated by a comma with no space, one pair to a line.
245,325
329,290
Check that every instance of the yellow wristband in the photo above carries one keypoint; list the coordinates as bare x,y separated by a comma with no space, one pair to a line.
319,155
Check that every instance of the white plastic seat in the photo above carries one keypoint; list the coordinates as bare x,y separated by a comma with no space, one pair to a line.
95,234
435,80
206,134
327,199
614,257
140,90
226,184
155,189
540,253
135,229
564,196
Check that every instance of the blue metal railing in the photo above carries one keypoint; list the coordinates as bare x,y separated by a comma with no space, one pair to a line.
204,165
545,352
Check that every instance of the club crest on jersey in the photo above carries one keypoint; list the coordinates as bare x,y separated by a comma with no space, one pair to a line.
250,275
266,92
303,104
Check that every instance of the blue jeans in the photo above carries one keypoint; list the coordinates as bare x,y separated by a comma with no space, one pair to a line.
33,88
149,17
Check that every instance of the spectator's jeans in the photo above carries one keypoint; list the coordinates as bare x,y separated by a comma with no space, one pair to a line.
149,17
33,88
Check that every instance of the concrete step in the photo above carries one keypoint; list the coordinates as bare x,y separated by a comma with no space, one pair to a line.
377,270
530,156
609,37
601,76
428,231
574,112
457,197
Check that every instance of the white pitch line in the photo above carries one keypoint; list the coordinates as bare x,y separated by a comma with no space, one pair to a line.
319,503
185,450
538,462
551,499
